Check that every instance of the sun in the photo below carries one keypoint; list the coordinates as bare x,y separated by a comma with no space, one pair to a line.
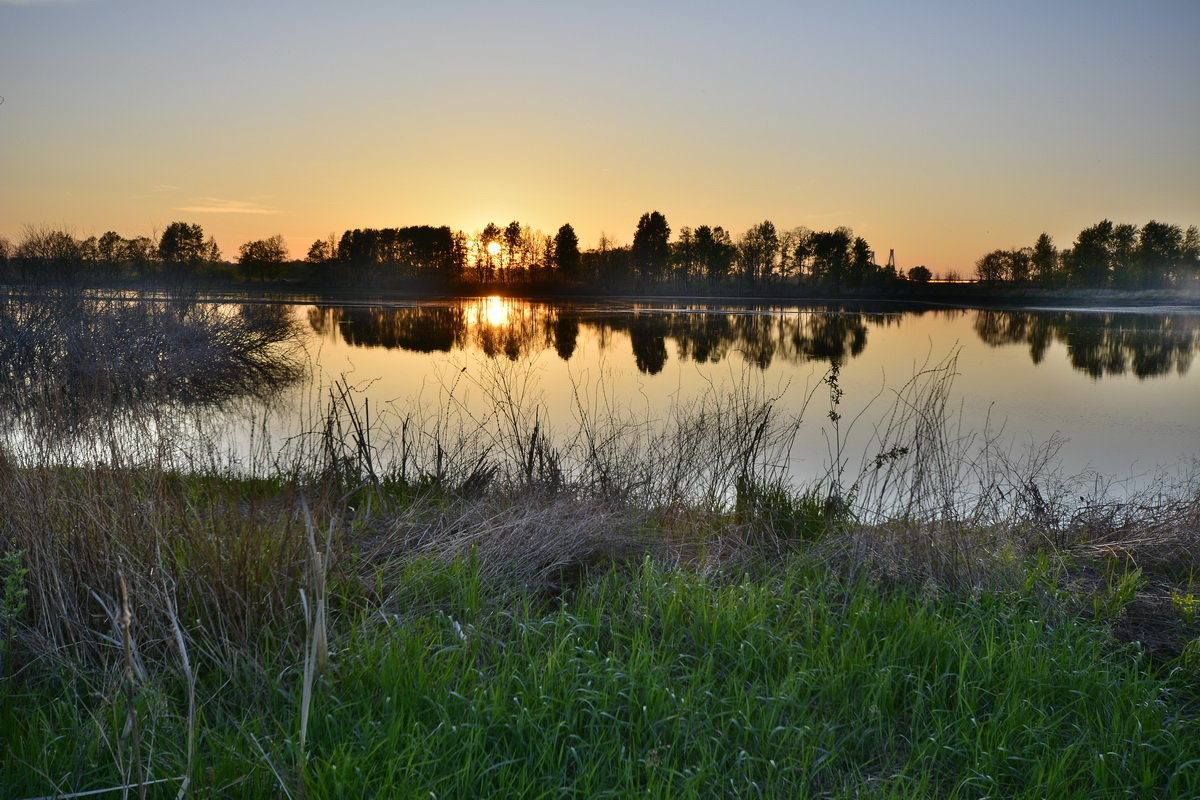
493,248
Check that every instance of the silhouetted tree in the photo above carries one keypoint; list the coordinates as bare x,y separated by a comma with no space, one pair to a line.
610,263
830,254
992,267
1124,255
758,250
794,252
512,244
1043,261
140,254
370,254
319,252
46,254
1020,264
1160,255
862,262
489,237
651,251
684,261
183,244
715,251
264,259
1190,249
1091,256
920,274
566,252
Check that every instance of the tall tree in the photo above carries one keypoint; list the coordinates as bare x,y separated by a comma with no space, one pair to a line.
758,250
1160,253
794,252
992,267
109,246
182,244
1124,255
488,248
319,252
684,258
512,245
566,252
715,251
264,259
862,262
1044,260
1091,256
830,254
651,250
1020,264
1189,253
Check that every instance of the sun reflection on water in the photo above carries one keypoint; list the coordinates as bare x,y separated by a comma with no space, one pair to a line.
494,311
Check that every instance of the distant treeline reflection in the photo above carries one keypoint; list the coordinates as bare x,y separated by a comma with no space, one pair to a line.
513,329
1098,344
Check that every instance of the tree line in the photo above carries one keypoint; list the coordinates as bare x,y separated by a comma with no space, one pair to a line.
516,254
1105,255
763,258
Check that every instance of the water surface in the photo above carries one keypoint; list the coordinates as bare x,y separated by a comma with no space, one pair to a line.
1116,387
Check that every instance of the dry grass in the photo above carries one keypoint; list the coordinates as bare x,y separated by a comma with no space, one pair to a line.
542,543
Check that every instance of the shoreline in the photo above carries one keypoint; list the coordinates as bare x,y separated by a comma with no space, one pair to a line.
956,298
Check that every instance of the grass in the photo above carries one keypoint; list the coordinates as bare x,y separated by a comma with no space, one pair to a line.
446,606
648,681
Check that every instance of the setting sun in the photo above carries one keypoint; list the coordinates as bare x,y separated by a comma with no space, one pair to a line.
493,248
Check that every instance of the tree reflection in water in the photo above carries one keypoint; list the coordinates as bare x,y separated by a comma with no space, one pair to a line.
1098,344
512,328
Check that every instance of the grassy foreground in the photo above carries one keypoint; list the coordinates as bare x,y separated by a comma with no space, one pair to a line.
236,648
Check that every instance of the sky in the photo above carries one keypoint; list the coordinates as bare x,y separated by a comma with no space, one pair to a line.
942,130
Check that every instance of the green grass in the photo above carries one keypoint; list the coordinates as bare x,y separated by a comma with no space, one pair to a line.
644,682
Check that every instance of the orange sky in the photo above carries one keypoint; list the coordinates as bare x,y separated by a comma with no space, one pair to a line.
942,130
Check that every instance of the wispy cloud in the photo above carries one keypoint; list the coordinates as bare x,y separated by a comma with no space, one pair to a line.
217,205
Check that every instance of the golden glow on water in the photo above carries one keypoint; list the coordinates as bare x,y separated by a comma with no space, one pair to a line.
494,310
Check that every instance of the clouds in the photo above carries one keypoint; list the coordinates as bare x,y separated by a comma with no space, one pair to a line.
218,205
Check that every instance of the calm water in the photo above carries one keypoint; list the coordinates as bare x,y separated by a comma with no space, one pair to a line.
1118,386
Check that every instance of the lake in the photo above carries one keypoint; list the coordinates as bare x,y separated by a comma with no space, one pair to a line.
1111,391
